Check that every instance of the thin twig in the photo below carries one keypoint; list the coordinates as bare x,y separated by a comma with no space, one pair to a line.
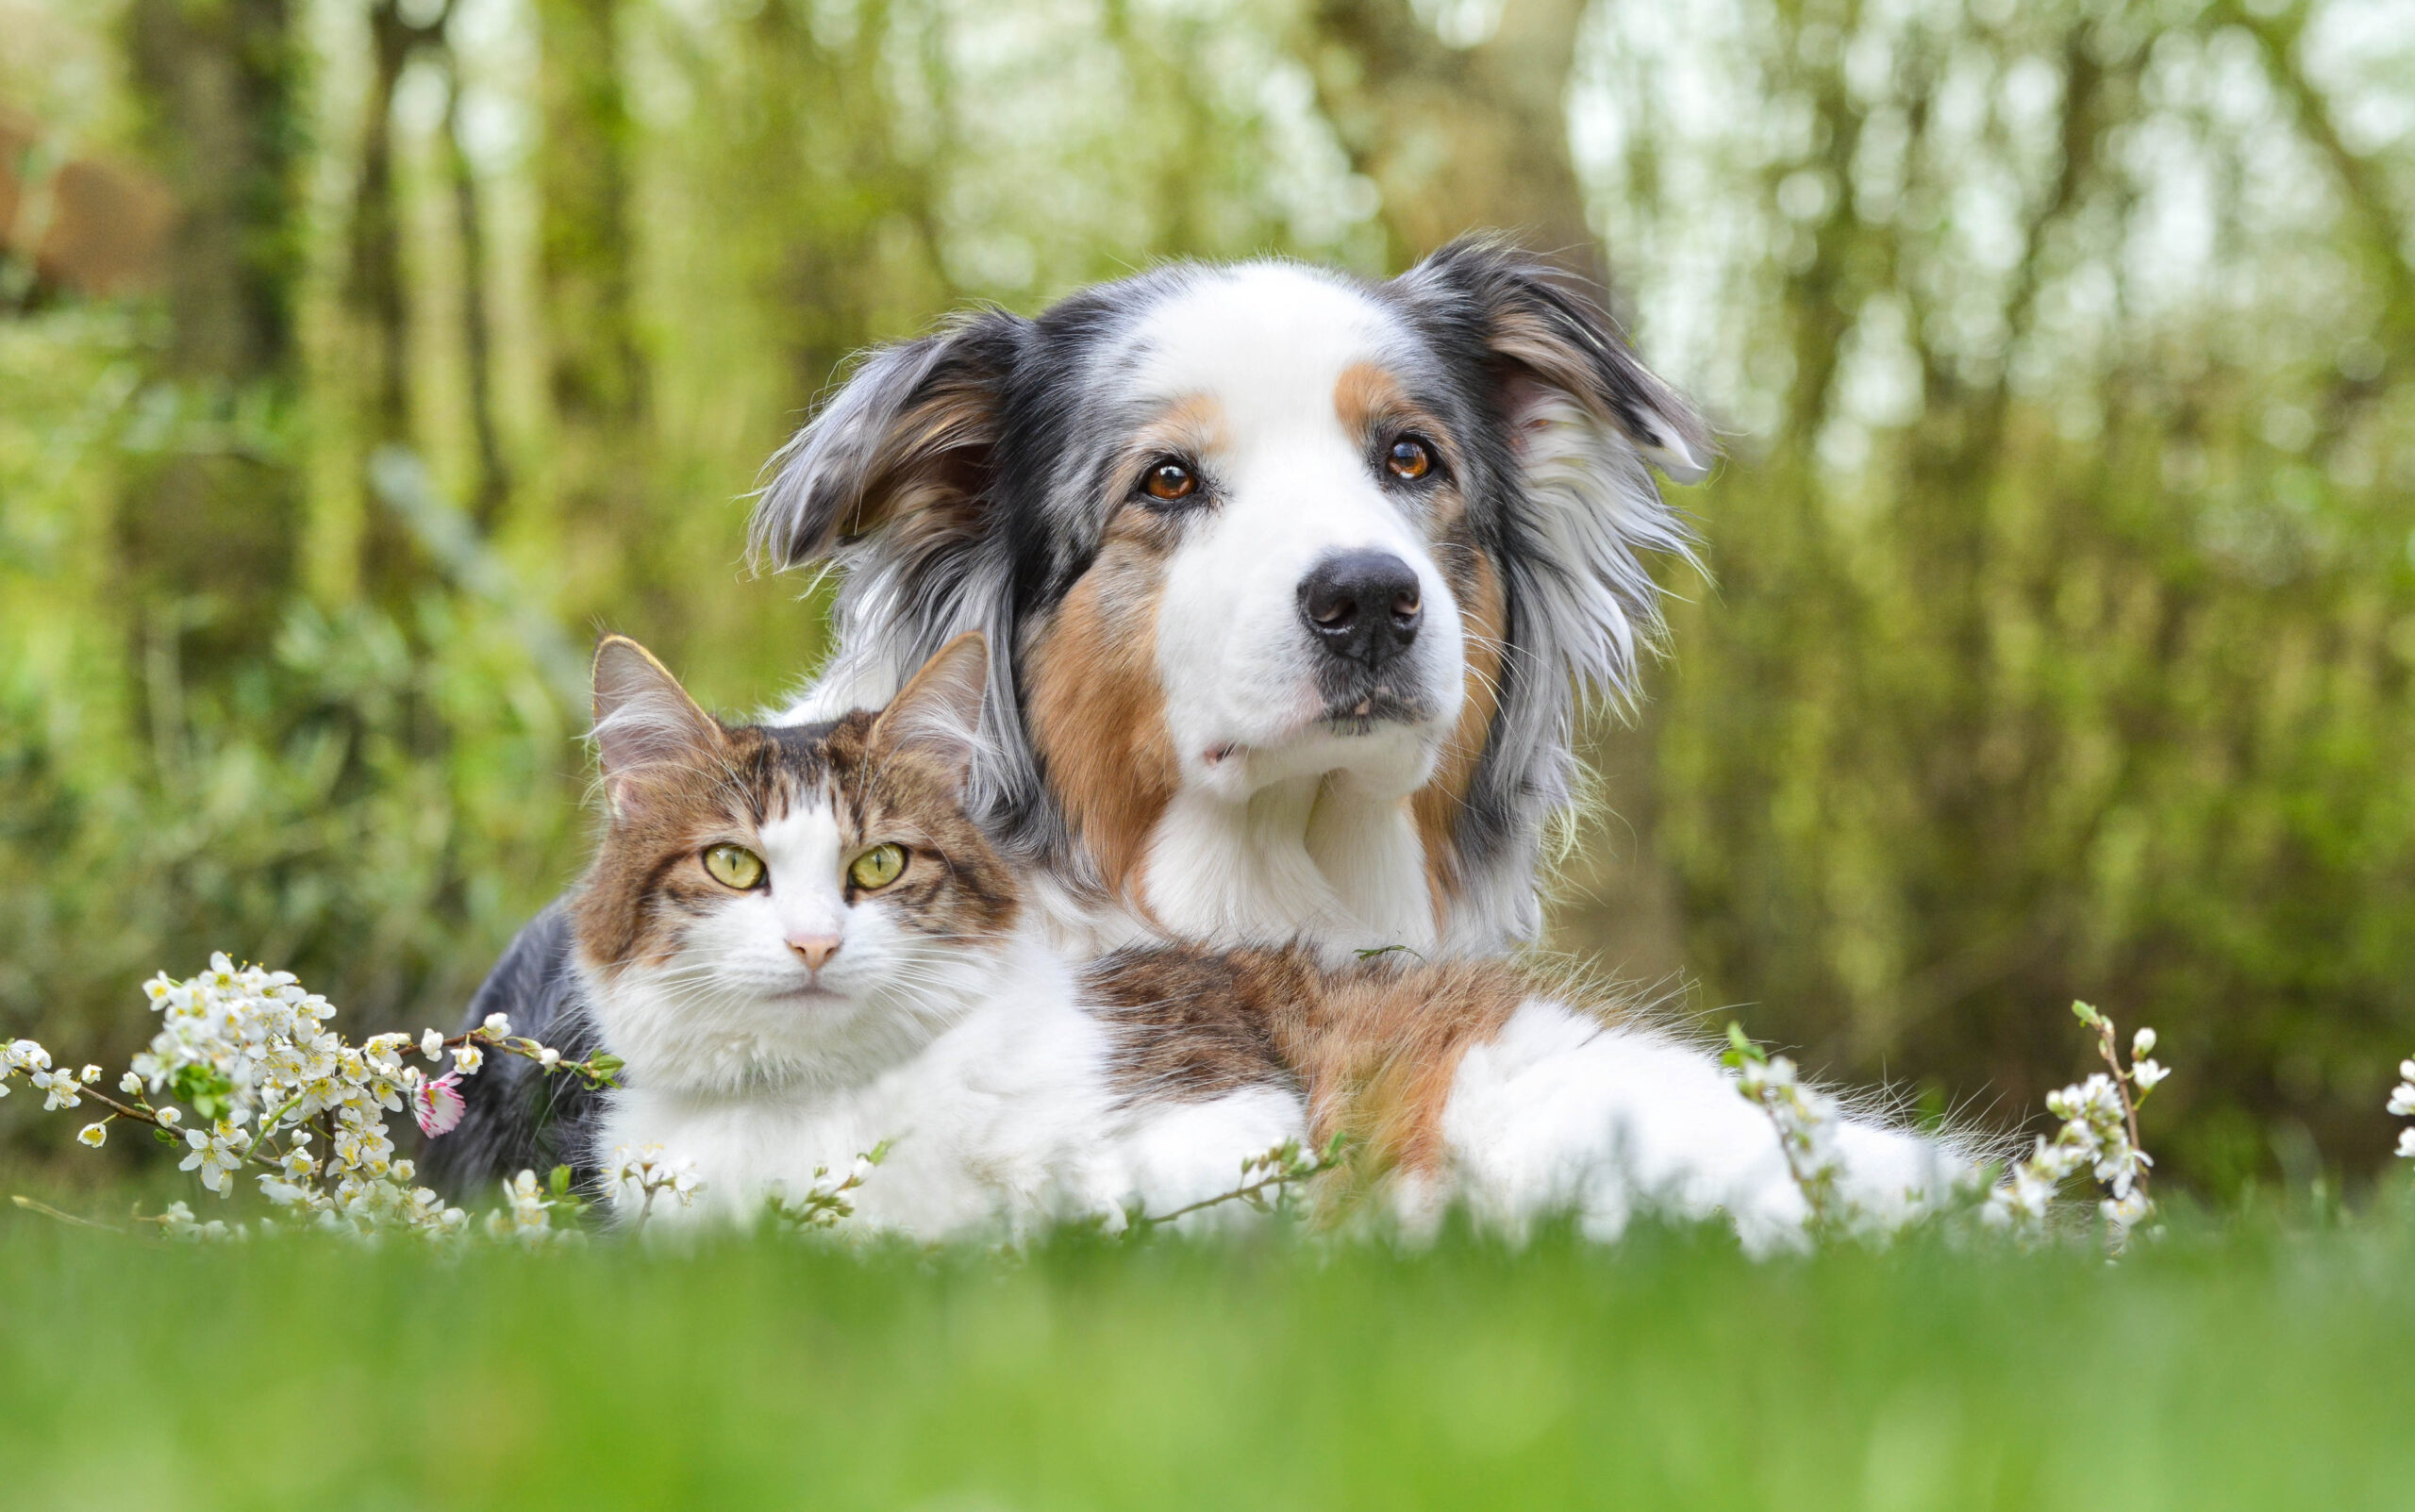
48,1211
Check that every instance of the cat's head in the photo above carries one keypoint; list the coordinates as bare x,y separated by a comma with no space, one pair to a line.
786,904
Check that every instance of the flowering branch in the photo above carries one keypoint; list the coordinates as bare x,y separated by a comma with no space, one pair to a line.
1274,1172
270,1086
1805,1121
824,1203
2099,1134
645,1170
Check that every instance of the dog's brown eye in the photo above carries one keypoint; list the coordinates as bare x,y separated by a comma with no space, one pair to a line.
1410,458
1170,480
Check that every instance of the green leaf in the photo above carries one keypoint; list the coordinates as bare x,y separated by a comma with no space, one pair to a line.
211,1094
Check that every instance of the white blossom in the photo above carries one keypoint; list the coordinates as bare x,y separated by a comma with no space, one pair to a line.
497,1026
216,1155
431,1044
92,1134
60,1090
646,1173
2402,1104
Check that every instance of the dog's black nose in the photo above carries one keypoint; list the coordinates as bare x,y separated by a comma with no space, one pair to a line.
1362,605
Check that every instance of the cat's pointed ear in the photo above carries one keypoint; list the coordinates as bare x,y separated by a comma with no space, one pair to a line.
644,720
938,714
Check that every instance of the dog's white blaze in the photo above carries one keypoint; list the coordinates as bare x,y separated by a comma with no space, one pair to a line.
1283,827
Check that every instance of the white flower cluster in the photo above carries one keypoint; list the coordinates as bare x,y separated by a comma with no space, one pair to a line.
824,1203
271,1087
527,1217
2402,1104
60,1088
2099,1136
644,1174
1805,1119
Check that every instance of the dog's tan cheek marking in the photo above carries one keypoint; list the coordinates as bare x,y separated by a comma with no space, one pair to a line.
1435,807
1098,710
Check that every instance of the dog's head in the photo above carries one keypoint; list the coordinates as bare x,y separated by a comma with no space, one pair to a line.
1235,531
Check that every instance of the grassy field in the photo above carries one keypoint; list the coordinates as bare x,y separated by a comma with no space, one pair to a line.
2260,1368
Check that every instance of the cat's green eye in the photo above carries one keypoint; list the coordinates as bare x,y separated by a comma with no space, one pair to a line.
734,866
879,867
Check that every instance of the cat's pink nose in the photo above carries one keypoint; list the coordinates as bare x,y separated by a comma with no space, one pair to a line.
815,949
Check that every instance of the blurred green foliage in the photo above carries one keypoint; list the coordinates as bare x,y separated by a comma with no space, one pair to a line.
2060,639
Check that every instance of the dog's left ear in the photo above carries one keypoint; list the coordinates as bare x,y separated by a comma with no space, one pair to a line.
901,450
1554,342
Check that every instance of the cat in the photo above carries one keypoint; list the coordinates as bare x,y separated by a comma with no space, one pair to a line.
803,946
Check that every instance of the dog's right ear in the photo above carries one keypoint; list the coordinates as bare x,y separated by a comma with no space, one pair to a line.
905,442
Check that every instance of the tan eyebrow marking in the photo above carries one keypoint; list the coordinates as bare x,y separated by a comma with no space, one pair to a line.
1367,399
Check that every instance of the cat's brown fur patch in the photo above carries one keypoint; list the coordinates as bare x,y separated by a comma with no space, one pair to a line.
1373,1046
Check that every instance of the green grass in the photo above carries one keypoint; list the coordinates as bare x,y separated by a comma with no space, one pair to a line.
2255,1369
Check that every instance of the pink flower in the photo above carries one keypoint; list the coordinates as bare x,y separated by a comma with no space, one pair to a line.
437,1103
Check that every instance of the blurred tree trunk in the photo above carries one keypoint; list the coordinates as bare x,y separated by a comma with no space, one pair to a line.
378,298
1458,136
477,333
1464,138
596,376
210,534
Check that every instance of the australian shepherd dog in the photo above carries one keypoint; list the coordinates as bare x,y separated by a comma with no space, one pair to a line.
1291,583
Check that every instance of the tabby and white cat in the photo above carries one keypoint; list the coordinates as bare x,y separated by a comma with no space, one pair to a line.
801,946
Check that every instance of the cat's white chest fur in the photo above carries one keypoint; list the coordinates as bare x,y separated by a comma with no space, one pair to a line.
1007,1121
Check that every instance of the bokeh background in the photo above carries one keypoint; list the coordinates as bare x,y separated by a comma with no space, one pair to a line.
359,358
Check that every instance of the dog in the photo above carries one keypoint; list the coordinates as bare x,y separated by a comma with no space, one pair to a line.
1292,583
